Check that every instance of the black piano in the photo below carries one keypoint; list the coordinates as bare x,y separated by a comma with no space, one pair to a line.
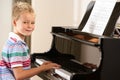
65,51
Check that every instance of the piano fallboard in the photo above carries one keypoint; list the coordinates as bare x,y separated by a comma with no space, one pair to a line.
77,35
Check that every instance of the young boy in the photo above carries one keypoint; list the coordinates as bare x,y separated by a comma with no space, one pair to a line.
15,63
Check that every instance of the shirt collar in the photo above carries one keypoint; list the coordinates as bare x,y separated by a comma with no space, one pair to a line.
15,37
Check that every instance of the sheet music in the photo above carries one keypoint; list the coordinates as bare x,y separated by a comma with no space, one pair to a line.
99,17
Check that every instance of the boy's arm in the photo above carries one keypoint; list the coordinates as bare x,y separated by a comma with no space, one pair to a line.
21,74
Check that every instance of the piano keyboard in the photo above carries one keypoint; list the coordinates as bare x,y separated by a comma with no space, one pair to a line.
61,72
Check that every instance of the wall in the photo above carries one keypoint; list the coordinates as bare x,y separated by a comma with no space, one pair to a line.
54,13
5,20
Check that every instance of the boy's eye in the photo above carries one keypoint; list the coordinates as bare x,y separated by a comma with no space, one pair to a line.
25,22
29,22
32,22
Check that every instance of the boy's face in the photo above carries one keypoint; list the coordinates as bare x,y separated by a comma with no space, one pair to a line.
24,26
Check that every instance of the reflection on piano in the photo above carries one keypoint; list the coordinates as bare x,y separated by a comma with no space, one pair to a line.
72,68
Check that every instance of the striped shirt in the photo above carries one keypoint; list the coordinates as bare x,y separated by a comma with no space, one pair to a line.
14,54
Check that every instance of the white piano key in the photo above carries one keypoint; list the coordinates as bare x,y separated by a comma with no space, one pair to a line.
61,72
40,61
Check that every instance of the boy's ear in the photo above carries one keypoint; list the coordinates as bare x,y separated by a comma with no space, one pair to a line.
14,22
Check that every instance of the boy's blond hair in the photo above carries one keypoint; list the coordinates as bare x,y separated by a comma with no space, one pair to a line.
21,7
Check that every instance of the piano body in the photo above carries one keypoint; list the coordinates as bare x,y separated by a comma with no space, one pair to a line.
72,68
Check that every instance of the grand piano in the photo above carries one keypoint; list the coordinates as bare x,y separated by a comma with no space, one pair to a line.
65,51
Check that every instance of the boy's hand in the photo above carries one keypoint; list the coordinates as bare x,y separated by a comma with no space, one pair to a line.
50,65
